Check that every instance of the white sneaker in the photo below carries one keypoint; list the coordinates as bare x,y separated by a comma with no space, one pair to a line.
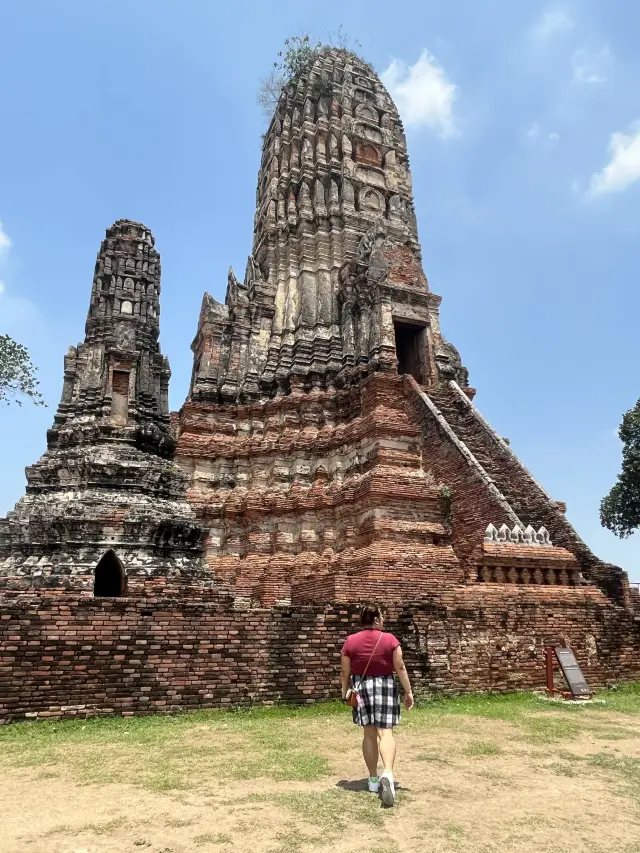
387,789
374,787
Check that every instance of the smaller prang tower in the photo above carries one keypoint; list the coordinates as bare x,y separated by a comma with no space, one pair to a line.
116,384
105,508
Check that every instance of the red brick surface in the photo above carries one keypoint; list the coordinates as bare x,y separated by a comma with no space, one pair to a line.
322,484
523,493
69,656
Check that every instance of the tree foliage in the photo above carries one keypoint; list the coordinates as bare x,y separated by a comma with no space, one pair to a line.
620,510
296,56
294,59
17,374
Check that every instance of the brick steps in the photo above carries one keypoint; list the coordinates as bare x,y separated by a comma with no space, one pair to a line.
527,498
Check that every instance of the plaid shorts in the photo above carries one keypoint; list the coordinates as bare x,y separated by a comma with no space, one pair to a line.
378,702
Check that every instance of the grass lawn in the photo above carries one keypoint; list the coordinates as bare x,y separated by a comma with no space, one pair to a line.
476,775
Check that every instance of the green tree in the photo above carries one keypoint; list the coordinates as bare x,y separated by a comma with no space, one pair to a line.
293,60
296,57
17,374
620,510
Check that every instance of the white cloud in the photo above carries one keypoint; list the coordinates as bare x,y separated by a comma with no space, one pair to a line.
624,167
590,67
2,287
423,93
5,241
542,139
552,23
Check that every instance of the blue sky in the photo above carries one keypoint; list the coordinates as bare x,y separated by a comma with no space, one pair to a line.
522,125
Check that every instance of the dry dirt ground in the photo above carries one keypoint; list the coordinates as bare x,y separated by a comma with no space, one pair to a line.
476,775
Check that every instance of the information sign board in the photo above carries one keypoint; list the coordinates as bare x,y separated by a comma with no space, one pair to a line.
572,672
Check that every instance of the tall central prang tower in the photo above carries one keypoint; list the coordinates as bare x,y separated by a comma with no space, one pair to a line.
330,436
334,287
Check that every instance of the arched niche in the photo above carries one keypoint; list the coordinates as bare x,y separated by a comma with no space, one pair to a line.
367,112
109,577
362,96
368,154
371,199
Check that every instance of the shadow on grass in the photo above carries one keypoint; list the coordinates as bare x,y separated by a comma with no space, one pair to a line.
353,785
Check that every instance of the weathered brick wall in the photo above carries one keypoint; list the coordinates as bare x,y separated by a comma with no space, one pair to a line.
315,482
473,504
68,656
524,494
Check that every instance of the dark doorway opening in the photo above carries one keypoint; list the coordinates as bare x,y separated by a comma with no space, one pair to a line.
410,350
109,577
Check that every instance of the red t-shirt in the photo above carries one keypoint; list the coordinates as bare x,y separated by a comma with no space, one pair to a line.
359,646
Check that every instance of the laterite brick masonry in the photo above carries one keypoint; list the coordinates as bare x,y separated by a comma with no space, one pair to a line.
67,656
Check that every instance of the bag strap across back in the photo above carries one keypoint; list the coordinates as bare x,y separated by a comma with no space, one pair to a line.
371,656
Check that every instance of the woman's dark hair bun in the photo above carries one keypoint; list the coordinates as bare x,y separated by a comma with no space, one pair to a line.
369,614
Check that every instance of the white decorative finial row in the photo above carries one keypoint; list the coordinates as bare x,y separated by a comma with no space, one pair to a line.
517,536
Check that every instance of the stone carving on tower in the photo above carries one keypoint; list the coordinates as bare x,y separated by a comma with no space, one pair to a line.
107,487
335,269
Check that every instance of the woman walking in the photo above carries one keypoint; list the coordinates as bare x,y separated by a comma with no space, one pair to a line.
369,659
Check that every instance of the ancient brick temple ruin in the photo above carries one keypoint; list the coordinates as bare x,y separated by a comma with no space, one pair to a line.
106,506
329,452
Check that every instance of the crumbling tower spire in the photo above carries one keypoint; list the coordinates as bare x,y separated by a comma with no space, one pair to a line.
107,497
335,255
334,165
116,383
329,431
